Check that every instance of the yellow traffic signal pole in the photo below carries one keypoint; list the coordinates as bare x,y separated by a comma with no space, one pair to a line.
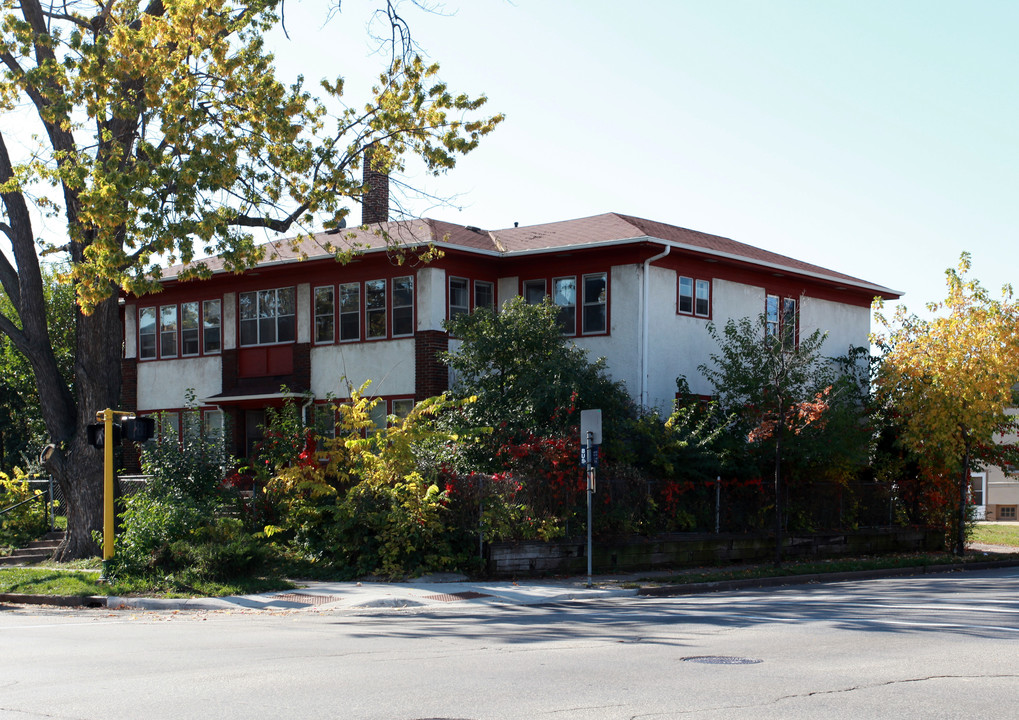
106,418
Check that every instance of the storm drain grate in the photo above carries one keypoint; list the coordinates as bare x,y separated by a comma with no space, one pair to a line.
720,660
452,597
306,599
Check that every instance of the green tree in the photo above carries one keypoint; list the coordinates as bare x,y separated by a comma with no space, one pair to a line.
162,131
950,379
778,392
526,375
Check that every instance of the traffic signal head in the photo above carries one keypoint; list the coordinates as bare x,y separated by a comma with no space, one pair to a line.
97,434
139,429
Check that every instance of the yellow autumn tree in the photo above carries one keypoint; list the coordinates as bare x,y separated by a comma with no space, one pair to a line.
148,130
949,380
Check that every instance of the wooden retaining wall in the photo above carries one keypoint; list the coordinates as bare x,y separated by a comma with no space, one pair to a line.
679,550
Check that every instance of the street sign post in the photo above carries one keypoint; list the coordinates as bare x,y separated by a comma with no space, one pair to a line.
590,439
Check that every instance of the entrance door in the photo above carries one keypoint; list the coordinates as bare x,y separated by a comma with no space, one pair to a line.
978,494
253,422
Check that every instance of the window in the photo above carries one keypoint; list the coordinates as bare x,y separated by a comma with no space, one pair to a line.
192,420
595,318
686,296
1006,513
324,315
189,328
324,420
564,294
703,300
267,316
459,297
403,306
169,426
350,311
402,407
534,291
771,316
375,308
214,425
378,415
211,323
484,295
789,338
694,297
198,324
147,333
780,320
168,331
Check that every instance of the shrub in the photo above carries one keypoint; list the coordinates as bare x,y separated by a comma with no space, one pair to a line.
24,523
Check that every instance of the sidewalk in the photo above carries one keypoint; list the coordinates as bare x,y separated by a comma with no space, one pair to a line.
424,592
455,591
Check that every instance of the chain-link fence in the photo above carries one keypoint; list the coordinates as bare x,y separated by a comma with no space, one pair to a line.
54,496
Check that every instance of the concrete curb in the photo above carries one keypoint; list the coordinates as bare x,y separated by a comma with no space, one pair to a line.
722,585
569,593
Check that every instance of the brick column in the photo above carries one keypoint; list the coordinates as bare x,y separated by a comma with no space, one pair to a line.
431,376
130,455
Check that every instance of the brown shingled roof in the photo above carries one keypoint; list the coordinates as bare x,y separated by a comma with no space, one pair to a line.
605,229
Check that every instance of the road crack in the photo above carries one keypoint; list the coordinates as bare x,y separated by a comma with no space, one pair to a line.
836,691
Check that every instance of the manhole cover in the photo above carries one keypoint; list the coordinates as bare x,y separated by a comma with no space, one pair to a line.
452,597
306,599
720,660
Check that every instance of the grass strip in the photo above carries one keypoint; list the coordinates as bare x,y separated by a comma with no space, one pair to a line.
812,567
60,581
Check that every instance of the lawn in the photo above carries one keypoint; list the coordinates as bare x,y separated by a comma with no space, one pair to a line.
996,534
61,581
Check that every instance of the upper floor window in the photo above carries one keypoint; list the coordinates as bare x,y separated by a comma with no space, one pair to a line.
484,294
267,316
694,297
212,321
168,331
189,329
780,320
375,308
534,291
564,295
147,333
324,315
459,297
403,306
595,317
582,309
350,311
184,330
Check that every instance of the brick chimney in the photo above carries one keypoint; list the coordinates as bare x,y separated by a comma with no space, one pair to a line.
375,200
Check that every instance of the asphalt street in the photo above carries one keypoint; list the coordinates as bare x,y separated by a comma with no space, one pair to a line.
938,646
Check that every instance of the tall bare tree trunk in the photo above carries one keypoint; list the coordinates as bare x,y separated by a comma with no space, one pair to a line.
77,466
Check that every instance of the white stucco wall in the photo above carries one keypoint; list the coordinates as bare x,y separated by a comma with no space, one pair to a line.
678,343
388,364
509,288
162,383
303,315
431,298
229,321
131,331
846,325
619,347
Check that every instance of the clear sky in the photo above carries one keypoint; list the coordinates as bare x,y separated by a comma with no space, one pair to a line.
876,138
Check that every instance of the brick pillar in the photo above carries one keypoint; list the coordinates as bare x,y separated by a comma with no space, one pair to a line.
228,370
431,376
130,457
302,367
375,200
